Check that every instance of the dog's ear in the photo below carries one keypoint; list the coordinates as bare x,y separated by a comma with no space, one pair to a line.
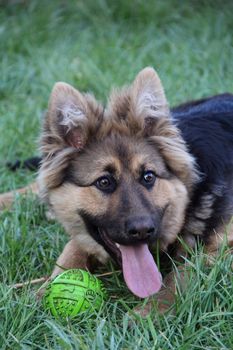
149,106
141,108
71,117
147,98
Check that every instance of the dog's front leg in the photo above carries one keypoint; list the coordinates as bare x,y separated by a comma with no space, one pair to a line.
7,199
72,257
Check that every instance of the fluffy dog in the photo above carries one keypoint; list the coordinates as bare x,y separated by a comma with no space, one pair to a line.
136,175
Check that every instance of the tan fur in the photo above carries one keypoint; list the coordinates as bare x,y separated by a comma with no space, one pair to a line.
174,193
73,197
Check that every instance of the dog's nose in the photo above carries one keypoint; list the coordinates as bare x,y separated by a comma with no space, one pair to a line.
140,228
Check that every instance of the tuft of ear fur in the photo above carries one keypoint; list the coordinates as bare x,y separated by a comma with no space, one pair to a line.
68,113
148,101
71,118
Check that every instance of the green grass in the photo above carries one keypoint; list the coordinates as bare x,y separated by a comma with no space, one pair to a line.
95,45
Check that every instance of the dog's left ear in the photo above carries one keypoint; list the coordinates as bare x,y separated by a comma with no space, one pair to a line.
147,98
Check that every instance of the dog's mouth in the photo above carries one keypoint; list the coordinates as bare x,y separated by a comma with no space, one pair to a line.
111,246
140,271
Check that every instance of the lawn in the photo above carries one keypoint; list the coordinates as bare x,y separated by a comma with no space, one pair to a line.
94,45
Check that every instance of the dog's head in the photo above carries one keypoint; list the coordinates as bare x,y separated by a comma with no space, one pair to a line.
119,178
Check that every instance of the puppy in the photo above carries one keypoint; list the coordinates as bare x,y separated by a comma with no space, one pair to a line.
136,177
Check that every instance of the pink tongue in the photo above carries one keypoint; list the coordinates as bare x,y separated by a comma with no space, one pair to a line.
140,271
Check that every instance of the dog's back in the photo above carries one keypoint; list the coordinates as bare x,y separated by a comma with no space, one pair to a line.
207,128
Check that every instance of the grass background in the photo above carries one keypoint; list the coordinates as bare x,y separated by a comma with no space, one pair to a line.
95,45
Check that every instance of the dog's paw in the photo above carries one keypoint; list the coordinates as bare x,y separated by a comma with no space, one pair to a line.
160,303
143,310
6,200
41,291
50,216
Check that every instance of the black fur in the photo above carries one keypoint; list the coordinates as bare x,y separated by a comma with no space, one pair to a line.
207,127
30,163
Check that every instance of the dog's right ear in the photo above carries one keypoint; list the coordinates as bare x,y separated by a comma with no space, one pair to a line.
71,118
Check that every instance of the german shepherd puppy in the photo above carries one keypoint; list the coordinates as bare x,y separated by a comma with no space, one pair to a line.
135,175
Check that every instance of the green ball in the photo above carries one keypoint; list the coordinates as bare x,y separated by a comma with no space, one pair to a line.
72,292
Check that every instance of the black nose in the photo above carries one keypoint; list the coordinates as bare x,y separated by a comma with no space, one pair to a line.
140,228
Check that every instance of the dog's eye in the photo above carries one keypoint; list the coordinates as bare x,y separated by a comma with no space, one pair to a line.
148,179
106,184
